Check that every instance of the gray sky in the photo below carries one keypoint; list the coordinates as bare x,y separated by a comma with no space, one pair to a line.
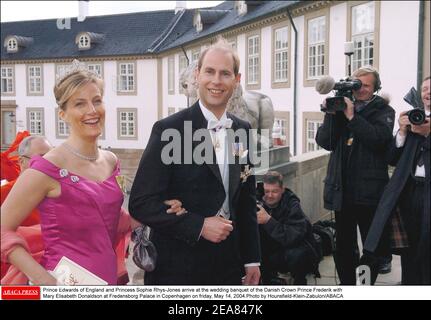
37,10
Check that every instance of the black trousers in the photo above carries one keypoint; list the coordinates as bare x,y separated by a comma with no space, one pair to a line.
411,207
347,254
299,261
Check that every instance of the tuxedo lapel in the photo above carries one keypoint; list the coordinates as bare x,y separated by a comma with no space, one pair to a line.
199,122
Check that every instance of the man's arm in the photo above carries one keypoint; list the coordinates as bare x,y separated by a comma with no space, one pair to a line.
291,228
375,135
150,190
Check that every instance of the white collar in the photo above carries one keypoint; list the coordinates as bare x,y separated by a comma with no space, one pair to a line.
209,115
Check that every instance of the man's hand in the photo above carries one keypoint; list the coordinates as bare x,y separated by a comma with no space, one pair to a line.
252,276
216,229
423,129
176,207
349,112
404,123
262,215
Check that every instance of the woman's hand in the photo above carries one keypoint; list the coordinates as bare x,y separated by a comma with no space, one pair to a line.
176,207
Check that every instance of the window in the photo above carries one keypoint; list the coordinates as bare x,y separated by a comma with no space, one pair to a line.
127,124
62,127
312,126
363,34
84,42
253,60
7,80
232,43
195,55
12,45
316,47
62,70
171,111
182,65
96,68
126,77
34,79
35,121
171,75
281,54
279,132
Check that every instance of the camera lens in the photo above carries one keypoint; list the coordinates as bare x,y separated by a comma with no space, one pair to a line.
416,116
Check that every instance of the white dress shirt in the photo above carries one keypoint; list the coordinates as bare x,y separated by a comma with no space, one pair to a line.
221,156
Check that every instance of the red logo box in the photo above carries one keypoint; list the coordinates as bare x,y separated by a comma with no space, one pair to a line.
20,293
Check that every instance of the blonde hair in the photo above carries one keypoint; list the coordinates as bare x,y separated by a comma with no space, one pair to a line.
71,83
221,44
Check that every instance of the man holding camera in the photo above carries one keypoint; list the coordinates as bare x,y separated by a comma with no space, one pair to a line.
408,193
357,170
286,236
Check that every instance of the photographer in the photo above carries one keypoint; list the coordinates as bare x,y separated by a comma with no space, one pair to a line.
357,169
286,237
408,193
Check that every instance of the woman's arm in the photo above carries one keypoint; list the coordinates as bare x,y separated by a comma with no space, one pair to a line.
29,190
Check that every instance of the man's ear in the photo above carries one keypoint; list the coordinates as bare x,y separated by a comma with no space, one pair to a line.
238,79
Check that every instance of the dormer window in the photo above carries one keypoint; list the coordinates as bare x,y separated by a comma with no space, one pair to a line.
12,45
241,7
84,42
198,23
207,17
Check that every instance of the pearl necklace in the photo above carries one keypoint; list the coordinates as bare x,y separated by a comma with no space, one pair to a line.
79,155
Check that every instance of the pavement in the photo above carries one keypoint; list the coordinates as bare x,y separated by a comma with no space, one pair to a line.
326,267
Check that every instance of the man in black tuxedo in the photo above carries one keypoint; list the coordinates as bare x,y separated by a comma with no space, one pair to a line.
216,241
407,193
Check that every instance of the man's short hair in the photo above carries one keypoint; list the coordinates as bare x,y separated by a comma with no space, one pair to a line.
24,146
221,44
273,177
426,78
362,71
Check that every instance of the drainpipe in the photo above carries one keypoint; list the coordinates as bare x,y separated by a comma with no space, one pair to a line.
188,63
420,44
295,75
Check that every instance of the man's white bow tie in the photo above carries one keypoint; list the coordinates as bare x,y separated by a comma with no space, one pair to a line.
218,124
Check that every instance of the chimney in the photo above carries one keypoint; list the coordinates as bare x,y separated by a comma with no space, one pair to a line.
83,10
179,6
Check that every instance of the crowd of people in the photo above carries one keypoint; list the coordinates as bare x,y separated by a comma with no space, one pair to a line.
211,224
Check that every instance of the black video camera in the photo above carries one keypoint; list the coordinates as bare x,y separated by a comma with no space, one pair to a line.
344,88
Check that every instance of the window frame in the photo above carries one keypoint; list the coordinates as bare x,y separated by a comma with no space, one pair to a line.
311,82
11,78
135,123
255,85
29,80
310,117
171,75
375,33
42,120
277,84
135,78
14,48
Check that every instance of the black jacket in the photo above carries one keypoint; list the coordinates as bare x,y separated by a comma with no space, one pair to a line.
182,253
403,158
364,164
288,226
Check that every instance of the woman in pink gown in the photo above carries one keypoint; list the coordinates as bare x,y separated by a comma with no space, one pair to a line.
74,186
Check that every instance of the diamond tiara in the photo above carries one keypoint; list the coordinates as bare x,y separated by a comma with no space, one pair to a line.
75,66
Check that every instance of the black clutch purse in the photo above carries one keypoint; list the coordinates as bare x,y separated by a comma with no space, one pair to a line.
144,251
